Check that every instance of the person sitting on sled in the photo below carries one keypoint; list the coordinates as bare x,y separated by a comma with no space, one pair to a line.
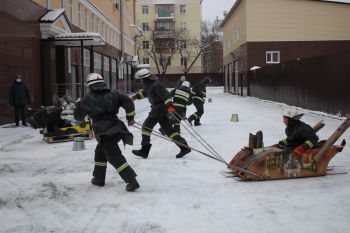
300,136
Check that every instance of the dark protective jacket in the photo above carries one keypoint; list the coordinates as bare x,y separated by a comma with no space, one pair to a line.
299,133
199,90
19,94
157,94
182,96
102,106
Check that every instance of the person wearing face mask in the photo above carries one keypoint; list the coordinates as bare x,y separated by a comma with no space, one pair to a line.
19,98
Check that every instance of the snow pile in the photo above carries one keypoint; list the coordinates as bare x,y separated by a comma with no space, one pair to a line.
46,187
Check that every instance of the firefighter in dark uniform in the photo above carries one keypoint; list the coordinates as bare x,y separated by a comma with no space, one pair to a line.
182,97
161,106
198,98
102,105
300,136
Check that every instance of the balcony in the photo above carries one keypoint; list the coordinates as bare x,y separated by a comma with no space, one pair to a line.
164,15
164,34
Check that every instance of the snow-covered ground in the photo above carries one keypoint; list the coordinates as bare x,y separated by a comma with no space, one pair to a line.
46,187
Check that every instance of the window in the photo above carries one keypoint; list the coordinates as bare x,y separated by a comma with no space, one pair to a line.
182,44
92,22
183,26
182,9
163,61
86,58
145,27
145,44
272,57
145,10
145,60
97,63
71,10
86,20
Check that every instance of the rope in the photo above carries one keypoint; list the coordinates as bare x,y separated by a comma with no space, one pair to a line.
177,142
187,126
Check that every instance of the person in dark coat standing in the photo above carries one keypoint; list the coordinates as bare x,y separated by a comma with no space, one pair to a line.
161,106
300,136
102,105
19,97
198,97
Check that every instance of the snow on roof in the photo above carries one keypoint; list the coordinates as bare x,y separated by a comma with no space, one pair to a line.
78,35
75,39
52,15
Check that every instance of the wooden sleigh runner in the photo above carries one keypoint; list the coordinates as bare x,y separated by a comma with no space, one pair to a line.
269,163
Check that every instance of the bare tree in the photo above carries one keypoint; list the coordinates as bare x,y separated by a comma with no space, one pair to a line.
160,48
191,49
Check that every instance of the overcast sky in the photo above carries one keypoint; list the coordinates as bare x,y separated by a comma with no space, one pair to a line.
213,8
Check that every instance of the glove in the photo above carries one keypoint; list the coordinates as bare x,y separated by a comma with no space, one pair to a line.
171,109
133,98
299,150
131,122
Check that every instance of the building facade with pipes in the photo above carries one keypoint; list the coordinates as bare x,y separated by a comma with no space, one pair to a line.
54,44
168,26
262,33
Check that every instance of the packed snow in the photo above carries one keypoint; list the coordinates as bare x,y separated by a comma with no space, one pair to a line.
46,187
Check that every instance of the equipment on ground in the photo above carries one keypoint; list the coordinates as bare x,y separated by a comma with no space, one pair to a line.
56,129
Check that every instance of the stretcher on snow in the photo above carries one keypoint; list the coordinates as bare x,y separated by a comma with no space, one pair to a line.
269,163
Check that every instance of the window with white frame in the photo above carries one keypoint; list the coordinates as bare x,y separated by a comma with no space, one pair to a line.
182,44
145,10
97,63
272,57
145,27
145,60
145,44
182,9
183,26
86,57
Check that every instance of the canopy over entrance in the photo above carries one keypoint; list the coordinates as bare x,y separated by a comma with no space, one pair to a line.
79,39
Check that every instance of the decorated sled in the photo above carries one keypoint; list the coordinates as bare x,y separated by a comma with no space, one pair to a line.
269,163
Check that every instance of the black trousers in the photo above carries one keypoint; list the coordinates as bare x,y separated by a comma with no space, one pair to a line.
107,149
159,115
20,114
200,109
179,115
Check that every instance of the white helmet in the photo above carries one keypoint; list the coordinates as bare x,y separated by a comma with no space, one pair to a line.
143,73
93,78
182,78
292,113
186,84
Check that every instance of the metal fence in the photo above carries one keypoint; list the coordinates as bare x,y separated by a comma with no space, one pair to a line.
317,83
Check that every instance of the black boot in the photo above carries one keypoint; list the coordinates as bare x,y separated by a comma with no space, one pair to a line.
184,151
191,118
196,122
143,152
99,176
132,185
